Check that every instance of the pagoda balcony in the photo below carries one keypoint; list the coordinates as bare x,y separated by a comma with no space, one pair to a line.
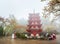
33,21
33,26
34,31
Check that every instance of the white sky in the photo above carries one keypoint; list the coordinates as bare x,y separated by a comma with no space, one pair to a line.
20,8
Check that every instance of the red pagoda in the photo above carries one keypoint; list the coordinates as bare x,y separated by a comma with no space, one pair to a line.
34,24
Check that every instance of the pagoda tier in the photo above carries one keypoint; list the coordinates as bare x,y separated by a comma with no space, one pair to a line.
34,32
33,20
34,24
39,26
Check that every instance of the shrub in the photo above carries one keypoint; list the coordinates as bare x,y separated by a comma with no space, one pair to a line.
1,31
20,35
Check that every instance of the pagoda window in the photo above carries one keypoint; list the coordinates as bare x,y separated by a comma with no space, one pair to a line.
36,27
32,27
32,23
36,23
32,19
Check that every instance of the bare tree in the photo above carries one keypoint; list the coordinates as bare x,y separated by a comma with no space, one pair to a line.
53,8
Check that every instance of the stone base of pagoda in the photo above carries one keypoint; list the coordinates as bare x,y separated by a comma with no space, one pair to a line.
34,32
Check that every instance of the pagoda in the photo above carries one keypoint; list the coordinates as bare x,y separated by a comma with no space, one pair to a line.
34,24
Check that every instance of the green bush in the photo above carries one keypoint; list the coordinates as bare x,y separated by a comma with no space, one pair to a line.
1,31
20,35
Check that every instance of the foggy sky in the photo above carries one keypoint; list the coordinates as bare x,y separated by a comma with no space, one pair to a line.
20,8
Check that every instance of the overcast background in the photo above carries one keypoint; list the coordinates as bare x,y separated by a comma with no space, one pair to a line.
20,8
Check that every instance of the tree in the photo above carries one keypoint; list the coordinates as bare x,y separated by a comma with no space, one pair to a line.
16,27
13,25
1,31
2,23
51,29
10,25
52,10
